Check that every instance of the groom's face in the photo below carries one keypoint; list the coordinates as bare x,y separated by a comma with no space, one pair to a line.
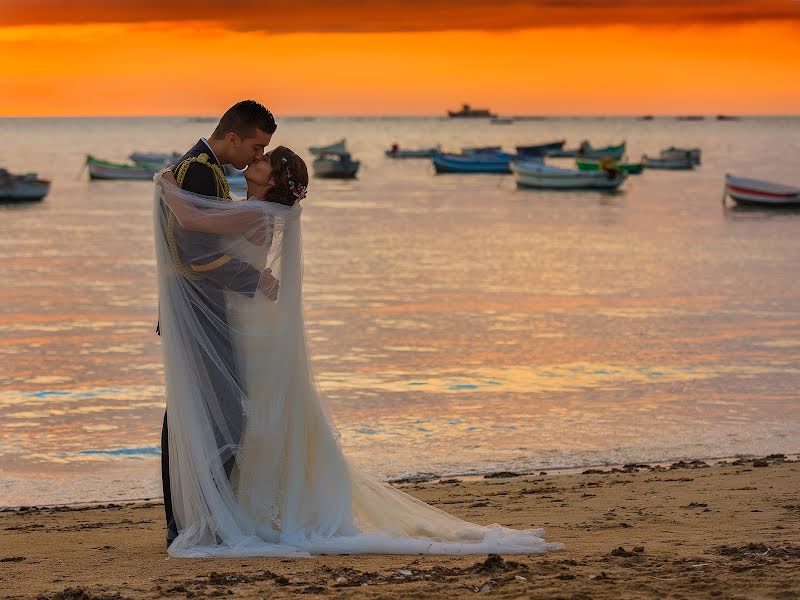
246,150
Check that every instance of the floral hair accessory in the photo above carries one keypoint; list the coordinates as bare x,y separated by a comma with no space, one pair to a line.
299,191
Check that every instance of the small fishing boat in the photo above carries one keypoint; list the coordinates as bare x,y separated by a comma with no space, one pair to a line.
673,153
596,164
22,188
339,147
755,192
106,169
335,165
396,152
586,150
501,120
467,112
483,162
682,163
482,150
538,175
541,149
614,152
159,160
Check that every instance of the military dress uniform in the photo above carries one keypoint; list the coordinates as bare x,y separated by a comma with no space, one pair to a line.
197,257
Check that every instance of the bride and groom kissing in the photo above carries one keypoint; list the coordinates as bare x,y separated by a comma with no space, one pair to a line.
251,460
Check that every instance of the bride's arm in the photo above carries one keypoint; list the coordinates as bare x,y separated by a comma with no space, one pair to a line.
192,219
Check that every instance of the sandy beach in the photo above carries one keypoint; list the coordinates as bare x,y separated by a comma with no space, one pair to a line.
686,530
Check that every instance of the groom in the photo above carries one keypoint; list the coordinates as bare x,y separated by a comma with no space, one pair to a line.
241,136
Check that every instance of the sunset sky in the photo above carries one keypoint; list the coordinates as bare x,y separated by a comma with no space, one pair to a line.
147,57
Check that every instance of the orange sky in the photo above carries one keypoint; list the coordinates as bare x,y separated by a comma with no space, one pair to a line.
410,57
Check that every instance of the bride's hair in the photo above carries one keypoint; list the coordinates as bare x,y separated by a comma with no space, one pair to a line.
290,175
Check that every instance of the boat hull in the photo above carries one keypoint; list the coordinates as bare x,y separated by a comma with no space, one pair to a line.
24,191
101,169
680,154
594,165
672,165
615,153
153,160
532,175
537,149
497,164
755,192
423,153
329,169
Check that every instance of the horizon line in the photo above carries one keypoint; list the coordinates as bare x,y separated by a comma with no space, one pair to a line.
418,116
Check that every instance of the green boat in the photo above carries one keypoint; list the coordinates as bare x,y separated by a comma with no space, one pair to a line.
106,169
589,164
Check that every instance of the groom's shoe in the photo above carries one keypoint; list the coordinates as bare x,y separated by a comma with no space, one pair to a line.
171,535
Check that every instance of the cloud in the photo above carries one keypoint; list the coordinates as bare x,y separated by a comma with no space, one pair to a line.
373,16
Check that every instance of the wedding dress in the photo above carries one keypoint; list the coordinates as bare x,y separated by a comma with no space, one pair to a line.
292,491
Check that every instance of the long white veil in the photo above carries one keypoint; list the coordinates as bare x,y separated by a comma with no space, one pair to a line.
256,467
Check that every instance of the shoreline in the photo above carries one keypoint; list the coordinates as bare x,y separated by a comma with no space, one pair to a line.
689,529
424,477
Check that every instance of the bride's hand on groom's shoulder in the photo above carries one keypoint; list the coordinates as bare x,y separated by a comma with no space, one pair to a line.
268,285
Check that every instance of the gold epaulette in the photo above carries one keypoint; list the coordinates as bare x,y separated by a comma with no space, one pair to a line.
223,190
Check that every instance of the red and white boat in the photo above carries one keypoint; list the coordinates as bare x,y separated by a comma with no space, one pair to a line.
761,193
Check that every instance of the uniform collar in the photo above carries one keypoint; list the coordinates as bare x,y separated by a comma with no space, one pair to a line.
205,141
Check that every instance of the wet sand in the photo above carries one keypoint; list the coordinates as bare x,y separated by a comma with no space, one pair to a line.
687,530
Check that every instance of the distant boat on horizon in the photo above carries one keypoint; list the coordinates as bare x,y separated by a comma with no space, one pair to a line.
467,112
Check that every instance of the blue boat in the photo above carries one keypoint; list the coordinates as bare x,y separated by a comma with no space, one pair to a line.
473,163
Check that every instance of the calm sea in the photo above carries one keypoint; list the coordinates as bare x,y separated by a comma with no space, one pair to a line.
458,325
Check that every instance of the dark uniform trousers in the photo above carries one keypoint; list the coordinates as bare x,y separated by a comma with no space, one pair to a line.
215,273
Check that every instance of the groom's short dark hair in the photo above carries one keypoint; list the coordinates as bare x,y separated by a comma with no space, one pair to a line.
242,119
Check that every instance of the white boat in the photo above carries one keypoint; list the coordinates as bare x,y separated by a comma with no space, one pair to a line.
22,188
757,192
537,175
693,154
339,147
335,165
674,164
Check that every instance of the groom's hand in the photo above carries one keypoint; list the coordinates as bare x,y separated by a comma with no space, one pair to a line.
268,284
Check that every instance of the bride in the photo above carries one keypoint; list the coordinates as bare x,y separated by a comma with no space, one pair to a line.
292,492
